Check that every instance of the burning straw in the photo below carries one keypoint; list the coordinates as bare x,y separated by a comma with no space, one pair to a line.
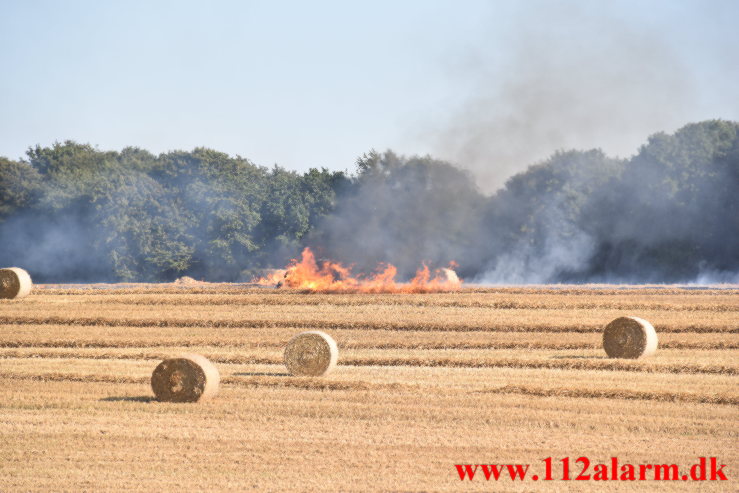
332,277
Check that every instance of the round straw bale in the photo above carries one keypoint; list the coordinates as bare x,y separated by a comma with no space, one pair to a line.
313,353
187,378
629,337
15,283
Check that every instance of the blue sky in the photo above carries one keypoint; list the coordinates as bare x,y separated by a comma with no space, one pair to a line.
491,86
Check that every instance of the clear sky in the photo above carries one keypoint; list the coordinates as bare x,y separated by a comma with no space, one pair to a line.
490,85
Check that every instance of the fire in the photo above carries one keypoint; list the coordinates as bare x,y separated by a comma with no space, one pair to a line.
273,278
332,277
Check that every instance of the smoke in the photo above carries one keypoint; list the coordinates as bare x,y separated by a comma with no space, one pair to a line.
708,276
560,248
403,211
539,215
561,76
674,211
668,214
60,248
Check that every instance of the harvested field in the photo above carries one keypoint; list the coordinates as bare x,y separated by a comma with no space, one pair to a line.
423,382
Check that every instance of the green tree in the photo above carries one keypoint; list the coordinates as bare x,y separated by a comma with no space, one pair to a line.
19,187
219,198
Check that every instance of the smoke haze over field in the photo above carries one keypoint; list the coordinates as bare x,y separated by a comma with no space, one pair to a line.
668,214
577,76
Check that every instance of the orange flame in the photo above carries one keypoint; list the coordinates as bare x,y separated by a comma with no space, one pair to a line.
332,277
272,279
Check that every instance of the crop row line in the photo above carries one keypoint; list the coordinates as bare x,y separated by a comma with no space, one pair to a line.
558,364
142,344
496,305
333,385
344,325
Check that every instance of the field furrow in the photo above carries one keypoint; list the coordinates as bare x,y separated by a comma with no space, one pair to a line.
673,361
729,326
712,303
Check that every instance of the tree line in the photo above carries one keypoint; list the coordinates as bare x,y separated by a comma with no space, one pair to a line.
71,213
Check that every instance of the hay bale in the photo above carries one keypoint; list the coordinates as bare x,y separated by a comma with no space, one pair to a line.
188,281
313,353
450,276
629,337
187,378
15,283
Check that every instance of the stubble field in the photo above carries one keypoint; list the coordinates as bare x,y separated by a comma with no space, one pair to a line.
424,382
